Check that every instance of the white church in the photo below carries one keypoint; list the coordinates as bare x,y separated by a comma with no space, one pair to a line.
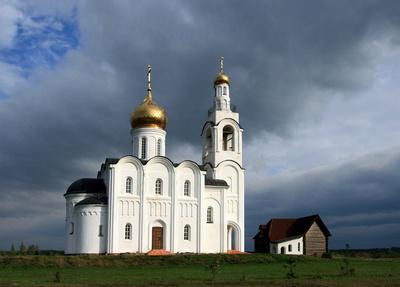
144,202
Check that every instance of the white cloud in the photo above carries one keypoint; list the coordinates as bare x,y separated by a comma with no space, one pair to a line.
10,15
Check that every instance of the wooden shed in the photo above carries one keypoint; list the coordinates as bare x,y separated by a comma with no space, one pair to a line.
296,236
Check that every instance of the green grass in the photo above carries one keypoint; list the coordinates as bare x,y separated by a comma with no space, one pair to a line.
191,270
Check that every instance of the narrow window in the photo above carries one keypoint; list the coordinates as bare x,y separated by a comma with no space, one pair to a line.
186,188
210,215
227,134
144,147
158,186
298,247
159,147
219,90
290,248
128,185
71,231
186,232
101,230
224,91
128,231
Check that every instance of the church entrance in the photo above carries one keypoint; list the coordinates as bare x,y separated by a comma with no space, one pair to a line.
233,238
157,238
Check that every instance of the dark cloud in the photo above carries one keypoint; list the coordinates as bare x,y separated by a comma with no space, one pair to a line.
285,60
352,198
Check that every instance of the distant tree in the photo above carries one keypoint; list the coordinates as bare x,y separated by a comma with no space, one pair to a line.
32,249
22,249
12,250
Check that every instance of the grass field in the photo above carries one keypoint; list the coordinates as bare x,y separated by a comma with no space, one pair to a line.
197,270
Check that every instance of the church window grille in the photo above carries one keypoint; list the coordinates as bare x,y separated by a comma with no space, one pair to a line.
210,215
128,185
128,231
228,143
71,228
144,147
290,248
186,188
159,147
186,232
101,230
158,186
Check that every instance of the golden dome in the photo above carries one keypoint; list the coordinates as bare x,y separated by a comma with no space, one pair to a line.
149,114
221,78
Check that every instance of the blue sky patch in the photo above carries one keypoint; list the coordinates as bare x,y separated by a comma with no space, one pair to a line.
41,42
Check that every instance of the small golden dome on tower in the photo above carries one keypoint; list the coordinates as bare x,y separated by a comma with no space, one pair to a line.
149,114
221,77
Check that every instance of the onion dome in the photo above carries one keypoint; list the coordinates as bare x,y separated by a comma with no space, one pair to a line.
149,114
87,185
221,77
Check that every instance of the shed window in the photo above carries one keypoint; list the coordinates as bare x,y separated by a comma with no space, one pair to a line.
298,247
101,230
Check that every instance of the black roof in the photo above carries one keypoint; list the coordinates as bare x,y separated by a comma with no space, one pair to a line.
87,185
93,200
216,182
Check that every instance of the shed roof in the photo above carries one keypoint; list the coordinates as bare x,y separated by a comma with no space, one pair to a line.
281,229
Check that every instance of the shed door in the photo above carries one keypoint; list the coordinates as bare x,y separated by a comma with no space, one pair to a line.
157,236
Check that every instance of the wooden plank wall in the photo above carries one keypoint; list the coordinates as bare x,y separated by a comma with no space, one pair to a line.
315,241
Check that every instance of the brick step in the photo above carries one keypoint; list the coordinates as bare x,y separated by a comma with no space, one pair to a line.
158,252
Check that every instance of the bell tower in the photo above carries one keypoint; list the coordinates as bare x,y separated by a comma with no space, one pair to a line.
222,133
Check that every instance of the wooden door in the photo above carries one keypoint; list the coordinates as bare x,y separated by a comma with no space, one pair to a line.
157,238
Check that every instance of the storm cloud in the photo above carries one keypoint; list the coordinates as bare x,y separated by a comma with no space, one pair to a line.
315,83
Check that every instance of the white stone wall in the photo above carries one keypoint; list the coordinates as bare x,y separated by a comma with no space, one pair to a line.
87,227
296,246
152,136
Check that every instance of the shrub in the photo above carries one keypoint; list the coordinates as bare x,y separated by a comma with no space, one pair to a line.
57,277
327,255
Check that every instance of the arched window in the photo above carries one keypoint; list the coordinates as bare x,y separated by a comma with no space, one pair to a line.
144,147
128,185
128,231
159,147
282,250
186,188
298,247
227,134
186,232
290,248
219,90
71,228
101,230
210,215
224,91
158,187
208,143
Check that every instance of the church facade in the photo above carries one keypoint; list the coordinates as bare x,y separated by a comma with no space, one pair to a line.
144,201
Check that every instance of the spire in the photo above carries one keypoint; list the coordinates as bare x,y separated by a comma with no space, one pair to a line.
221,62
149,97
